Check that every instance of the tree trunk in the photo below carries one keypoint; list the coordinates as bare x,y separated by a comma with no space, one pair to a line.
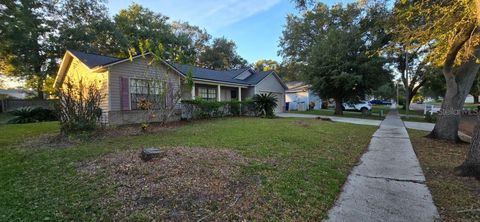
40,93
471,166
40,82
338,107
459,83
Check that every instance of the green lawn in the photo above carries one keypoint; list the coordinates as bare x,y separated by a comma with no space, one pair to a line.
386,109
471,106
312,160
378,108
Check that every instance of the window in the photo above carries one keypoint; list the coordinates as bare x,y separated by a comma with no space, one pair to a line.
207,93
143,89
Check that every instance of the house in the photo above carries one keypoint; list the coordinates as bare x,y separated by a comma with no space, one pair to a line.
298,96
123,81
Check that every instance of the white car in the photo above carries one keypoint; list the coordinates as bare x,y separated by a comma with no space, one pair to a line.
361,106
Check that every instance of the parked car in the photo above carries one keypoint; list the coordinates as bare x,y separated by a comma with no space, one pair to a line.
361,106
380,102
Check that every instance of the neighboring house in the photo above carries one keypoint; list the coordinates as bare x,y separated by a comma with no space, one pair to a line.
298,96
469,99
124,82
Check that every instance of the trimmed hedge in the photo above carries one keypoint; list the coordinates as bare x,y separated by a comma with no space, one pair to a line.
203,109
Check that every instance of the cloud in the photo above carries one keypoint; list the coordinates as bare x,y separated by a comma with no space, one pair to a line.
213,14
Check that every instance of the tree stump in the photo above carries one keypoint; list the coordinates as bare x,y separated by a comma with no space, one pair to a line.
150,153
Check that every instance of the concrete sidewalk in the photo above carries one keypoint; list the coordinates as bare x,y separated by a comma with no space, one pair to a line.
388,184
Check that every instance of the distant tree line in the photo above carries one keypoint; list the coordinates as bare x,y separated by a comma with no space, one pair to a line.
34,35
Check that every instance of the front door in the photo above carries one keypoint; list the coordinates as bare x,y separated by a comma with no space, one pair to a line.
233,94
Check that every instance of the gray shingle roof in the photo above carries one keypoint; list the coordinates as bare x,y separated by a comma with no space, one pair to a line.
222,76
227,76
93,60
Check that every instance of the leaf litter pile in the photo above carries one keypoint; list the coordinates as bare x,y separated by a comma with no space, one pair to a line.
185,184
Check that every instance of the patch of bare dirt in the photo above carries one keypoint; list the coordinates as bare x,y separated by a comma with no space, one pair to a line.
186,184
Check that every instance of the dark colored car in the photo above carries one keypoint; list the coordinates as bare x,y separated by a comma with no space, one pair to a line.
380,102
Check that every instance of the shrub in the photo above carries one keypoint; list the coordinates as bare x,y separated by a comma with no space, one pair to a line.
79,107
265,104
204,109
431,118
325,104
311,105
32,114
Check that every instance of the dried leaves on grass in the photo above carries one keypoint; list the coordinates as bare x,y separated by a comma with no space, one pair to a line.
457,198
186,184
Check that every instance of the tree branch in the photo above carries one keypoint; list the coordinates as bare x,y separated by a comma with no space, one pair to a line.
462,37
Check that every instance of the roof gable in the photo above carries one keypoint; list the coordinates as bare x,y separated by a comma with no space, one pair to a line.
236,76
271,72
93,60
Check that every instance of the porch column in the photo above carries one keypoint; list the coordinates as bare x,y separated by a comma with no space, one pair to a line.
193,91
239,94
218,93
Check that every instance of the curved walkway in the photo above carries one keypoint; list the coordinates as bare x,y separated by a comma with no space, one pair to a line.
388,184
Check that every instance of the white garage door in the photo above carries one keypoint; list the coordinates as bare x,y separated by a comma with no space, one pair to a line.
280,101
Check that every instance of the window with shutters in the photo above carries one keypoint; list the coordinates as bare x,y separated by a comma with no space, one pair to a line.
143,90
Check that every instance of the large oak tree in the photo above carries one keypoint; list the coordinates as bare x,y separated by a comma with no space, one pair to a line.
221,55
26,31
336,47
452,28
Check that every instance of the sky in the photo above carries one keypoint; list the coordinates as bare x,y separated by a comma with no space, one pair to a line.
254,25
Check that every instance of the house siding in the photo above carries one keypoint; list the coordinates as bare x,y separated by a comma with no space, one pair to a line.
139,69
77,72
272,84
248,93
136,69
269,84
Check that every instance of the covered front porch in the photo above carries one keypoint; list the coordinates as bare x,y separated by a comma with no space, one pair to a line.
219,91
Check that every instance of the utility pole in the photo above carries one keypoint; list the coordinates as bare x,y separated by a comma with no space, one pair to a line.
407,88
398,94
